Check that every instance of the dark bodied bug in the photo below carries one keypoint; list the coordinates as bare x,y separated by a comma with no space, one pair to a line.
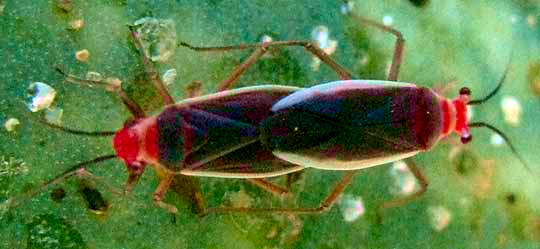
265,131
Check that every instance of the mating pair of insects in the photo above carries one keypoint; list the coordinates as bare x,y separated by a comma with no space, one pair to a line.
273,130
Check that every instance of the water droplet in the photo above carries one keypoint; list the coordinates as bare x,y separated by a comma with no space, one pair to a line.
40,96
439,217
352,207
169,76
12,124
266,38
157,36
496,140
404,181
513,19
321,36
387,20
512,110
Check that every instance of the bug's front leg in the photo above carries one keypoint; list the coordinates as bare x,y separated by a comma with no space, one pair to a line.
132,180
162,188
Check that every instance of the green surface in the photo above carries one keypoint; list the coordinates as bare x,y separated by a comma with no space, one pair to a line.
492,199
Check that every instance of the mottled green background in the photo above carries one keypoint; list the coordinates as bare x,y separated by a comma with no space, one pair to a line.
468,42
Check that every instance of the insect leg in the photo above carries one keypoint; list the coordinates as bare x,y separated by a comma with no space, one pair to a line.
112,85
160,193
132,180
188,188
292,177
269,186
398,48
325,205
278,191
261,49
150,70
422,180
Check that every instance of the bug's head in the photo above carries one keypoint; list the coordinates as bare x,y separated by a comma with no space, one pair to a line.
126,145
461,126
455,116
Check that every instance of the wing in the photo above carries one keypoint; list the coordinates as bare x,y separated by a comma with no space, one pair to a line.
219,135
351,125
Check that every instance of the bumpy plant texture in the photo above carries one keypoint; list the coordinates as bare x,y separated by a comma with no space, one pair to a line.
480,196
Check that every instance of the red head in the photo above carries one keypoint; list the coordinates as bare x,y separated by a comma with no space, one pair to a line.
126,145
136,143
455,115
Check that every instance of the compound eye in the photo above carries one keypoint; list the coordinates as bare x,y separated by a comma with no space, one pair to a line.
465,91
136,167
466,139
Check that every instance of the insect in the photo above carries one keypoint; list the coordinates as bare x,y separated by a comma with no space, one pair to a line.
271,130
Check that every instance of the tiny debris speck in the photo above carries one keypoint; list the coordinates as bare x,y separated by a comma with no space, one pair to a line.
82,55
12,124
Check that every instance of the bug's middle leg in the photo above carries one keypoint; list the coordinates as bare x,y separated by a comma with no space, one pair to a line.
261,49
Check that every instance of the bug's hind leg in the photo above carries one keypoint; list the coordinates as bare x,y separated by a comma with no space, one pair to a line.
113,85
325,205
422,181
398,48
261,49
150,69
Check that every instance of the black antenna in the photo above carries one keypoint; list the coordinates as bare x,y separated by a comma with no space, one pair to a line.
73,169
505,138
501,81
14,201
78,132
